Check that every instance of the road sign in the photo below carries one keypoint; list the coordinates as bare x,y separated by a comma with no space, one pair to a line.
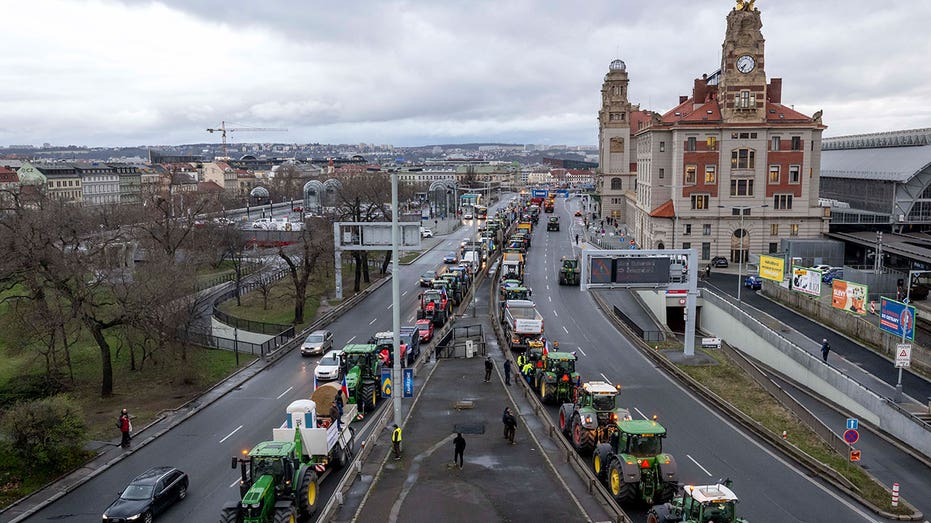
386,383
851,436
854,455
408,383
903,355
853,423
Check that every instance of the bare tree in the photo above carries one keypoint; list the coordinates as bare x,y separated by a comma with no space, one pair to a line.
304,257
361,198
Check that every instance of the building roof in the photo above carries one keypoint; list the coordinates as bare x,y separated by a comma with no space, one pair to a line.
666,210
8,175
209,187
897,164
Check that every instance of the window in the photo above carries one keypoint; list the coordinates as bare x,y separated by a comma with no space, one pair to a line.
662,173
690,143
745,100
662,147
700,201
688,229
706,250
777,142
711,176
782,201
616,184
742,158
773,247
706,229
774,229
793,229
795,174
741,187
686,245
796,143
712,143
773,174
690,174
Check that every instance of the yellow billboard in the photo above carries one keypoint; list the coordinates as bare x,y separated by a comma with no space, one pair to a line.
772,268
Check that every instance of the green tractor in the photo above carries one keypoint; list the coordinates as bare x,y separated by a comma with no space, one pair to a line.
555,378
569,272
592,417
699,504
363,370
633,465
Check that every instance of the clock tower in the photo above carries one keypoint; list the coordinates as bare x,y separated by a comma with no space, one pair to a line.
615,176
742,87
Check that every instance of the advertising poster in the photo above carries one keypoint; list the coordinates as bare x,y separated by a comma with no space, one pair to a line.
896,317
772,268
849,296
806,280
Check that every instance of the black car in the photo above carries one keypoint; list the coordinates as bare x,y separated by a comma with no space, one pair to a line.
719,261
426,278
150,493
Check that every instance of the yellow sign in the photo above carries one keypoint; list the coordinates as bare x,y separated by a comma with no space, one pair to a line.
772,268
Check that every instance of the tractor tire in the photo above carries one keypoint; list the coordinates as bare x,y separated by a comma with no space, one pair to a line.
307,493
285,515
230,515
562,279
547,392
667,492
367,398
420,315
660,514
565,420
582,439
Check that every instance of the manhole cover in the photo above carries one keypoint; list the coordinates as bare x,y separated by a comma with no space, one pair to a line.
469,428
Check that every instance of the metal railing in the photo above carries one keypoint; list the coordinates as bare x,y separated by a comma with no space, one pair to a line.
645,335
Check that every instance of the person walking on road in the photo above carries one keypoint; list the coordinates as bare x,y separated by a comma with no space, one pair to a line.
510,425
459,444
576,239
825,349
126,428
396,442
488,367
507,372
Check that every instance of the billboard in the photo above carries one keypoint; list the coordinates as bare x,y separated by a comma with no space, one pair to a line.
896,317
849,296
641,270
806,280
772,268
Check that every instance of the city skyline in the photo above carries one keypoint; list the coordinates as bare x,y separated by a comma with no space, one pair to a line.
104,73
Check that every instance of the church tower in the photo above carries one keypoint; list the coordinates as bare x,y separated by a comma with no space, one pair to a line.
742,87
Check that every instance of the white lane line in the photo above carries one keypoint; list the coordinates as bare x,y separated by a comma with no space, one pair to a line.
230,434
389,306
699,465
412,319
350,340
557,315
233,484
403,293
644,416
605,377
583,354
549,298
564,327
283,393
373,321
547,287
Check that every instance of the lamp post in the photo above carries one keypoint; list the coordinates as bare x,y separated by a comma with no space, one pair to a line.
743,233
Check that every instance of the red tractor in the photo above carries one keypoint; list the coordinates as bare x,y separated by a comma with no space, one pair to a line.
435,306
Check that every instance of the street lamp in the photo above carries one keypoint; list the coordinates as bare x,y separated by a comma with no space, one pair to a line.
743,233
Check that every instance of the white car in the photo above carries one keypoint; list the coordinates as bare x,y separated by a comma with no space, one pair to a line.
426,233
262,223
328,368
822,268
467,216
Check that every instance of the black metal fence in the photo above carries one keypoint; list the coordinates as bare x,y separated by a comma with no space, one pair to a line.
245,347
463,342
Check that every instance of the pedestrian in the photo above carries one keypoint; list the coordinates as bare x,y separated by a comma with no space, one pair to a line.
488,366
459,443
335,416
396,442
126,428
527,370
339,403
510,426
825,349
708,271
576,239
504,420
507,372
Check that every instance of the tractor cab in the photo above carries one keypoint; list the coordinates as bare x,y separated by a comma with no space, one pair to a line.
640,438
267,472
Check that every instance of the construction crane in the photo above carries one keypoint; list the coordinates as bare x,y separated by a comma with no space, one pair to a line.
223,129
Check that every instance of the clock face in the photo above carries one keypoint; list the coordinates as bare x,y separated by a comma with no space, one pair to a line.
745,63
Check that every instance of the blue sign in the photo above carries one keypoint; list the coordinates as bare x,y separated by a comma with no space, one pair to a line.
386,383
853,423
540,193
851,436
408,383
563,192
897,318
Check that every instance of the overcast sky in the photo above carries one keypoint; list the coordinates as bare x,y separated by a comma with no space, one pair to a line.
135,72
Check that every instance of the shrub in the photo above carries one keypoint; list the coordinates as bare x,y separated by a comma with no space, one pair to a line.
45,431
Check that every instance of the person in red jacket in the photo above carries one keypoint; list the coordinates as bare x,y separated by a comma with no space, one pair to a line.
126,427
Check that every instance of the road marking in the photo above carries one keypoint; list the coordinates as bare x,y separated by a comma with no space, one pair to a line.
373,321
389,307
350,340
563,327
699,465
233,484
549,298
557,315
547,287
230,434
583,354
412,319
403,293
283,393
605,377
641,414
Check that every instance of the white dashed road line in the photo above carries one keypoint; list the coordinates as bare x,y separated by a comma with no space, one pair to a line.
644,416
583,354
605,377
350,340
389,306
403,293
283,393
699,465
231,433
373,321
564,327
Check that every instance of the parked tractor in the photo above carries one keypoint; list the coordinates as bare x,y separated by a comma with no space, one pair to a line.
633,465
699,504
363,370
556,378
569,272
434,306
592,418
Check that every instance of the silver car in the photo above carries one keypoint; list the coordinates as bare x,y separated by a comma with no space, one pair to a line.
317,342
329,368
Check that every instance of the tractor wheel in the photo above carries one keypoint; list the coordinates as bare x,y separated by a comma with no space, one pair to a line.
582,439
624,493
565,425
230,515
285,515
546,392
307,493
667,492
562,279
659,514
367,396
420,315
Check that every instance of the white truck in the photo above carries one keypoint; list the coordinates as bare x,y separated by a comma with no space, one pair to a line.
523,323
512,266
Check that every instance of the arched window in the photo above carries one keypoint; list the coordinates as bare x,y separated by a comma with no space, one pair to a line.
617,184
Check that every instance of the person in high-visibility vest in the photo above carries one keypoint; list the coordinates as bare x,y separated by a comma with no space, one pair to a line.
396,442
521,360
526,370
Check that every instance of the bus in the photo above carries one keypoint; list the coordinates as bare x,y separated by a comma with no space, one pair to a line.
481,212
